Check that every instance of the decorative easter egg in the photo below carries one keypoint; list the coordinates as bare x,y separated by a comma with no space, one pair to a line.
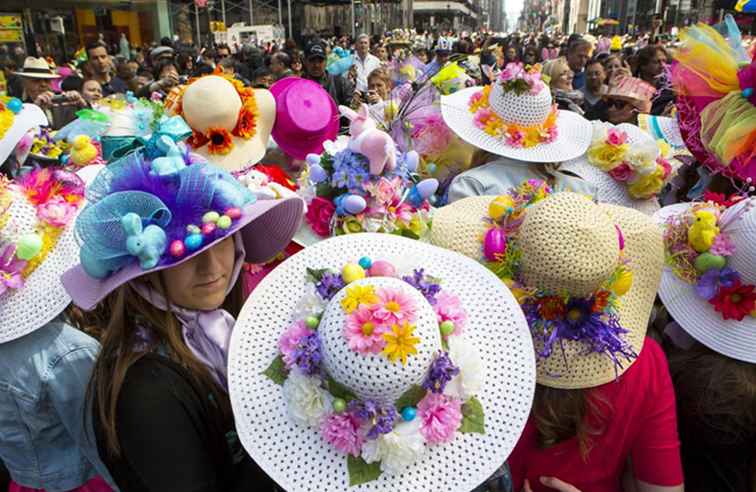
210,217
427,187
352,272
312,159
382,268
499,206
208,228
193,229
28,246
177,248
193,242
339,405
234,213
354,204
430,168
317,173
312,322
411,160
447,328
15,105
623,283
224,222
494,243
707,261
365,262
409,414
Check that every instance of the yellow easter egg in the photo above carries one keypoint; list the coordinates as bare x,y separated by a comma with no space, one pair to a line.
623,283
499,206
352,272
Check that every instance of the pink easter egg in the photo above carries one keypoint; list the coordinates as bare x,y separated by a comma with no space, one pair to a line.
382,268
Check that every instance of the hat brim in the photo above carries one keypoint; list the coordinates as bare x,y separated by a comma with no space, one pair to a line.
735,339
573,132
29,117
32,75
266,227
460,226
294,144
297,457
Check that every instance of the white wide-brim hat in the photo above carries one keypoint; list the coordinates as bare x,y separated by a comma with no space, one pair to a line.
31,116
297,457
43,297
573,132
735,339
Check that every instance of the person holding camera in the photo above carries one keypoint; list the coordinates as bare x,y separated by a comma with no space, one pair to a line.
60,109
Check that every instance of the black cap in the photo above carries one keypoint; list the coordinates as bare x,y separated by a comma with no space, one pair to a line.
315,49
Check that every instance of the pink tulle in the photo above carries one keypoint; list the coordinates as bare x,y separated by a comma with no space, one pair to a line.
97,484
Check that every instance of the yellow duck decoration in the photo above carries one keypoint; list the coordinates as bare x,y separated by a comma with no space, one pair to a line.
703,231
83,151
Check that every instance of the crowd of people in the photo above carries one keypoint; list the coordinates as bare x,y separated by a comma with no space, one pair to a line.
402,262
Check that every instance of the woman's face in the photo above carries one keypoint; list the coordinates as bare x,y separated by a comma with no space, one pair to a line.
378,85
619,111
612,67
564,80
511,54
201,283
91,91
169,70
529,58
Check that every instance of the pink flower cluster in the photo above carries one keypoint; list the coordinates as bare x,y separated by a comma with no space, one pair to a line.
288,342
449,308
342,431
432,136
440,416
530,75
366,325
616,137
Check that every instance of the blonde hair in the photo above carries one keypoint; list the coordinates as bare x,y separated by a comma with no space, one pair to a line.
554,69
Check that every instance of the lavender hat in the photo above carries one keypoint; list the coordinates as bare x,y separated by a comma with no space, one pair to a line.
306,116
146,215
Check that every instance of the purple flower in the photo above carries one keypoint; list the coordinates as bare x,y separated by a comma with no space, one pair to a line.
348,170
709,283
379,418
441,371
422,283
329,285
10,269
307,355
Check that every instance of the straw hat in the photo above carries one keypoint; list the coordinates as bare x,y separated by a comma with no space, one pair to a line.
36,68
306,116
515,117
682,287
636,91
220,110
293,443
18,119
626,166
37,245
569,245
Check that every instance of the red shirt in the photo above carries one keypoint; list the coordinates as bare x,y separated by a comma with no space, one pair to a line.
639,423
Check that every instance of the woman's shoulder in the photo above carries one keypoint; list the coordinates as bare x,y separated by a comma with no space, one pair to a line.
153,373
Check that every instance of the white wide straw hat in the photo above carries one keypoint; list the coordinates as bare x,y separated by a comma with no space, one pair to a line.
609,190
29,117
296,455
526,110
733,338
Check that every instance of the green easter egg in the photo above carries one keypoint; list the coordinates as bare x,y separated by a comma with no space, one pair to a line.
28,246
339,405
447,328
210,217
708,261
224,222
312,322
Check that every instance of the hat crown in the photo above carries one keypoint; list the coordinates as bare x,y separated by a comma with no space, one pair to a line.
211,102
568,244
741,229
374,376
521,109
307,110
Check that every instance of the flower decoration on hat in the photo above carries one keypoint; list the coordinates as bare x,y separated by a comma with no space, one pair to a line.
218,140
517,80
698,249
643,168
156,211
556,316
378,316
9,108
366,186
55,196
45,146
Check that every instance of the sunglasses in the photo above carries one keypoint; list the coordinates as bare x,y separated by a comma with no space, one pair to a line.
223,56
616,103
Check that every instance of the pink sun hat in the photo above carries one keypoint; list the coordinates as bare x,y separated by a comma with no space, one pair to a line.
306,116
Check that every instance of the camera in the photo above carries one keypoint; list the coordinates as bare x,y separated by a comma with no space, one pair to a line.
58,99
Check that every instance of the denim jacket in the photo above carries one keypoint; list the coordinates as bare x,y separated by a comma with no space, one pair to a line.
44,441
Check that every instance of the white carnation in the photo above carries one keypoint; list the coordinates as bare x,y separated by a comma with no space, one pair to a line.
310,304
396,450
472,372
306,402
334,147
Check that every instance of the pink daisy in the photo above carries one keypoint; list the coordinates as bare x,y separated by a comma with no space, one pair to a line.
440,417
448,308
394,307
364,333
342,431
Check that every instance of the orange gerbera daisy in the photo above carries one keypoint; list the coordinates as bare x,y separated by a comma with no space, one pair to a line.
246,125
197,139
220,141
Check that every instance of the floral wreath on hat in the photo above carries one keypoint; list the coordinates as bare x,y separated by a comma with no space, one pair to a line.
218,140
698,247
643,170
555,316
520,80
380,321
56,196
9,108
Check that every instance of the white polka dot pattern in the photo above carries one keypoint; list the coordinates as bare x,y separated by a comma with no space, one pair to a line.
374,376
522,109
297,457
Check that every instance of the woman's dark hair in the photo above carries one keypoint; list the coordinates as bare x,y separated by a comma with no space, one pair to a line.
161,65
645,55
72,83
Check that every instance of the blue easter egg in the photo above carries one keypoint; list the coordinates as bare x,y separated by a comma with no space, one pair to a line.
411,160
15,105
312,159
317,173
193,242
747,92
409,414
354,204
431,168
365,262
427,187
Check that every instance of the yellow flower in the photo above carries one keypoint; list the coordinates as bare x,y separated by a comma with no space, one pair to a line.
606,157
647,186
532,138
391,110
664,147
622,283
356,295
417,226
400,343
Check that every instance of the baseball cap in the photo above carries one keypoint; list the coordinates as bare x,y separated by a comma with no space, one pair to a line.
315,49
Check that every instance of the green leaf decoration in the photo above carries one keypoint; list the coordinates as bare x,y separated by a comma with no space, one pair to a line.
338,390
361,472
473,420
316,275
323,189
277,371
410,398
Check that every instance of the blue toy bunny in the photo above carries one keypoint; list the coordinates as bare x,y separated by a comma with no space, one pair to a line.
147,244
173,160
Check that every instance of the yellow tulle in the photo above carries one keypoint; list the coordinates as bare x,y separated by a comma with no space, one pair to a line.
727,126
706,53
